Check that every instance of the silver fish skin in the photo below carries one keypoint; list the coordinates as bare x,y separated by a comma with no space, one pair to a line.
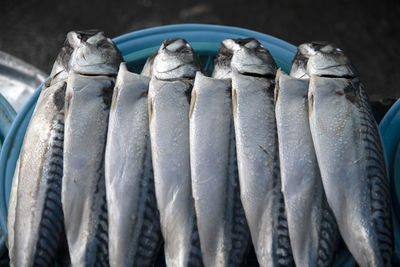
312,227
133,218
36,228
253,73
223,230
349,153
88,101
35,221
169,131
259,173
94,64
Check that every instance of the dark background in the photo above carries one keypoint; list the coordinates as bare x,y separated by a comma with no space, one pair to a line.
368,31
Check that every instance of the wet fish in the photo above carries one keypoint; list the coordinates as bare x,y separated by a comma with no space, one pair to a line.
349,153
169,95
35,219
299,64
253,76
224,235
94,64
133,218
312,227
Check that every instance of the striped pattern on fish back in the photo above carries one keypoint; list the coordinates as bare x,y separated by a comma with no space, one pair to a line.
378,183
149,240
195,256
240,231
100,228
328,236
283,247
51,232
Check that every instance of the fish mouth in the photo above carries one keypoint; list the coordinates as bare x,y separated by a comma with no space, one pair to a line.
176,45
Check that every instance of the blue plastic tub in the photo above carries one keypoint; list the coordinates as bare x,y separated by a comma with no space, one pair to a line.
390,132
7,115
136,47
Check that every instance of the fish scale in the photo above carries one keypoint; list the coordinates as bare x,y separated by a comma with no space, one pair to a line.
223,230
252,69
368,232
169,96
172,69
44,242
83,189
259,171
38,174
312,227
134,227
94,65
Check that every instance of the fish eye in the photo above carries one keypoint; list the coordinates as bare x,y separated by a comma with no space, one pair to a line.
104,44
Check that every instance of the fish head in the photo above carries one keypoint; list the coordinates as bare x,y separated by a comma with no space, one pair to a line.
94,54
330,61
222,63
304,52
61,65
251,58
175,59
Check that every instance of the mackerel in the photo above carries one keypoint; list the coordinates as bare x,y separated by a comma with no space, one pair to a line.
224,234
253,74
133,218
312,227
173,69
349,153
350,157
94,65
36,233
